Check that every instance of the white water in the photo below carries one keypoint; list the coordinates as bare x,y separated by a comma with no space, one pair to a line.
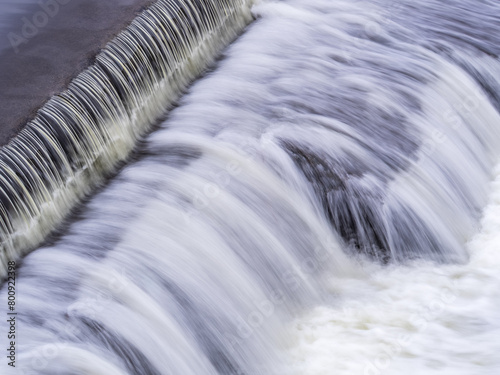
420,319
330,129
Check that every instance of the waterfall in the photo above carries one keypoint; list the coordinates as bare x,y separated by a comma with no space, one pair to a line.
330,135
80,135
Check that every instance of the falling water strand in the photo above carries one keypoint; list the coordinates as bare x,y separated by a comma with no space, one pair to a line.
80,135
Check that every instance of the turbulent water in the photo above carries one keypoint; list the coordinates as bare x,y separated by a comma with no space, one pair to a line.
311,206
422,319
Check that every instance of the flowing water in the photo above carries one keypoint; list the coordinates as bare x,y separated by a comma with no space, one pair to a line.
80,135
312,206
422,319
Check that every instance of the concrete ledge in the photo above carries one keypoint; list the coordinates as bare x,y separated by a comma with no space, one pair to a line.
45,44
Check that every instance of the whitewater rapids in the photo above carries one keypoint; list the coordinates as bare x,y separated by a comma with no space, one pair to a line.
311,203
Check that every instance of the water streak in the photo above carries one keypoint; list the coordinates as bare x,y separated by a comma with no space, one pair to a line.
80,135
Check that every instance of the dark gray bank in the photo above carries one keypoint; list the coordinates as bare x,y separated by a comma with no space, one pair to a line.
46,43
